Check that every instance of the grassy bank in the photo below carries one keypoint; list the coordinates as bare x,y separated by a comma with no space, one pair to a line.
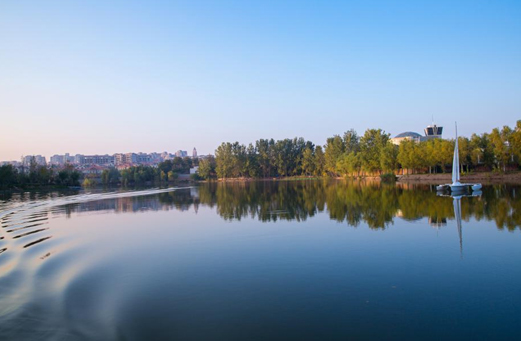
486,177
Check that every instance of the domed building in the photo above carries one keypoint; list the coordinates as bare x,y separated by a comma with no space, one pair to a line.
408,135
431,132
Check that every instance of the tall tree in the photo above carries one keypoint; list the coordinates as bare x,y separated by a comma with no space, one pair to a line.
351,141
335,148
308,162
388,157
251,165
499,141
206,168
319,161
371,145
224,160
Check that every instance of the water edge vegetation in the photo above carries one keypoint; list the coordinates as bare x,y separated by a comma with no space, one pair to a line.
349,155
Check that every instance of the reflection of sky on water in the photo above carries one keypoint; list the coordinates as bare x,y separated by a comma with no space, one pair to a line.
233,259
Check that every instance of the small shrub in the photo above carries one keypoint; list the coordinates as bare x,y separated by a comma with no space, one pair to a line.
89,182
388,177
196,177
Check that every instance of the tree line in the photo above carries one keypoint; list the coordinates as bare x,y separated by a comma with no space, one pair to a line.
166,171
37,176
373,153
348,155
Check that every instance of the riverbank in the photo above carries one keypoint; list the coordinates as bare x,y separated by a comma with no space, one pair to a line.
287,178
485,178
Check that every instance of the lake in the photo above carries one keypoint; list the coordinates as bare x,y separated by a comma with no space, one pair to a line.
286,260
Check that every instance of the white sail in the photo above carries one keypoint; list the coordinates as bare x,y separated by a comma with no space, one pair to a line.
455,161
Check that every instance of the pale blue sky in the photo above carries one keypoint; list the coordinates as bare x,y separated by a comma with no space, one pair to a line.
117,76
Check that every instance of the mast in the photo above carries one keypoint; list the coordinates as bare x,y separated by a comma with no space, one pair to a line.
455,161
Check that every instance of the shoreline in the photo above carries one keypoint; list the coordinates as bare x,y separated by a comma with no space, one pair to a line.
439,178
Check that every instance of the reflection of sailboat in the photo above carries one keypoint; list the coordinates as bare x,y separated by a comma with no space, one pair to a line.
457,186
457,213
456,202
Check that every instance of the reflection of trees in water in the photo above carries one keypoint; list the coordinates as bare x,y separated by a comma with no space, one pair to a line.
265,200
501,204
351,202
374,203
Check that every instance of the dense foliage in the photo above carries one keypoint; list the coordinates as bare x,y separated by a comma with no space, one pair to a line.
268,158
36,176
167,170
370,154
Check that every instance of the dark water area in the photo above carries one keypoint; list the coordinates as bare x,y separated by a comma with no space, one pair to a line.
261,261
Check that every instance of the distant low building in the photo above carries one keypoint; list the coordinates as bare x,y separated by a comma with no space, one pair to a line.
431,132
56,160
40,160
105,160
143,158
78,159
123,166
124,158
181,153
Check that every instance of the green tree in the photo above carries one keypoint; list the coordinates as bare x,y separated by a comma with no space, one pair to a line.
351,142
319,162
8,176
389,157
406,155
335,148
172,176
238,167
371,145
308,162
251,165
349,164
499,141
224,160
465,152
110,176
515,142
206,168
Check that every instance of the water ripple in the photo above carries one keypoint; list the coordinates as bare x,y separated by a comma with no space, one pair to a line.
33,270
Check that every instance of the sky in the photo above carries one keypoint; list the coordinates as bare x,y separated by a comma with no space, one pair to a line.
96,77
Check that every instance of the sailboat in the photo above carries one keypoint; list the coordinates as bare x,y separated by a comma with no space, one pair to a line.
456,186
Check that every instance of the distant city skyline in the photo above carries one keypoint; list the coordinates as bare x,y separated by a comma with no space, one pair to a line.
26,157
108,77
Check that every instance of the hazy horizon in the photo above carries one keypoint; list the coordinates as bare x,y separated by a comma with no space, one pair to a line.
100,78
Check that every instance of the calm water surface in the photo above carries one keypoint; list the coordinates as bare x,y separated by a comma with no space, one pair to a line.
261,261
